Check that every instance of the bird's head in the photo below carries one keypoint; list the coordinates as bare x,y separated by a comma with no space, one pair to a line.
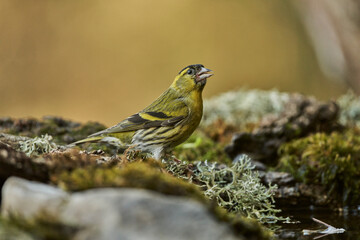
192,78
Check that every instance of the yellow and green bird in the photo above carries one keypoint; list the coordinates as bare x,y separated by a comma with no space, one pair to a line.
165,123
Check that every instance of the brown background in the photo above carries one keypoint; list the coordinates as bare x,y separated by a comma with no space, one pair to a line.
104,60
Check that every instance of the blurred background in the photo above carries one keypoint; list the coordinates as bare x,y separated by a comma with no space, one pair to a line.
104,60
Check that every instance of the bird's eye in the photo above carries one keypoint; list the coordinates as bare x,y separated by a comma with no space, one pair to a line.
190,71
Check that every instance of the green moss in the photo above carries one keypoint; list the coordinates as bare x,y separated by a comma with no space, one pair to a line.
44,227
65,132
132,175
201,148
105,147
53,126
60,128
86,129
332,160
243,226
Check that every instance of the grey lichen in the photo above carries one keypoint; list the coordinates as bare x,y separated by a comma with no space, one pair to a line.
243,106
38,145
349,109
237,188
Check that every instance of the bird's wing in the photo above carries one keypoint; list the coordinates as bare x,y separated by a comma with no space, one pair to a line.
168,114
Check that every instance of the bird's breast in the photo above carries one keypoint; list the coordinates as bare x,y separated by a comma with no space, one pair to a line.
195,105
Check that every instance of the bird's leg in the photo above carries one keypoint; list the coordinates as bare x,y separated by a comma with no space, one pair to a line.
178,161
169,156
158,153
126,156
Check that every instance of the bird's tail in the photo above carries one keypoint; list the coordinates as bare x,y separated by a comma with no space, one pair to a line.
90,139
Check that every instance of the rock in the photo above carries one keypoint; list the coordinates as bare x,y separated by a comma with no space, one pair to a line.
279,178
12,140
302,195
140,214
14,163
302,116
27,199
291,193
114,213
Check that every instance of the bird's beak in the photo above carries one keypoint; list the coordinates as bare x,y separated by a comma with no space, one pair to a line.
204,73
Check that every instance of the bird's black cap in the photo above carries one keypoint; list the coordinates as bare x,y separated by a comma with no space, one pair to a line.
196,67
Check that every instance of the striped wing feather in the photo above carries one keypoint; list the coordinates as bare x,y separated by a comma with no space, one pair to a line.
149,118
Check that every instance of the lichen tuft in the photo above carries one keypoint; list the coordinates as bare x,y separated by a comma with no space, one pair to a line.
237,188
38,145
349,109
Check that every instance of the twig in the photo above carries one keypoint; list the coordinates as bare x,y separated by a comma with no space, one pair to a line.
329,230
321,222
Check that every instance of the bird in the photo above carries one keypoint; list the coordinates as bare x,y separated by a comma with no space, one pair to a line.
165,123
